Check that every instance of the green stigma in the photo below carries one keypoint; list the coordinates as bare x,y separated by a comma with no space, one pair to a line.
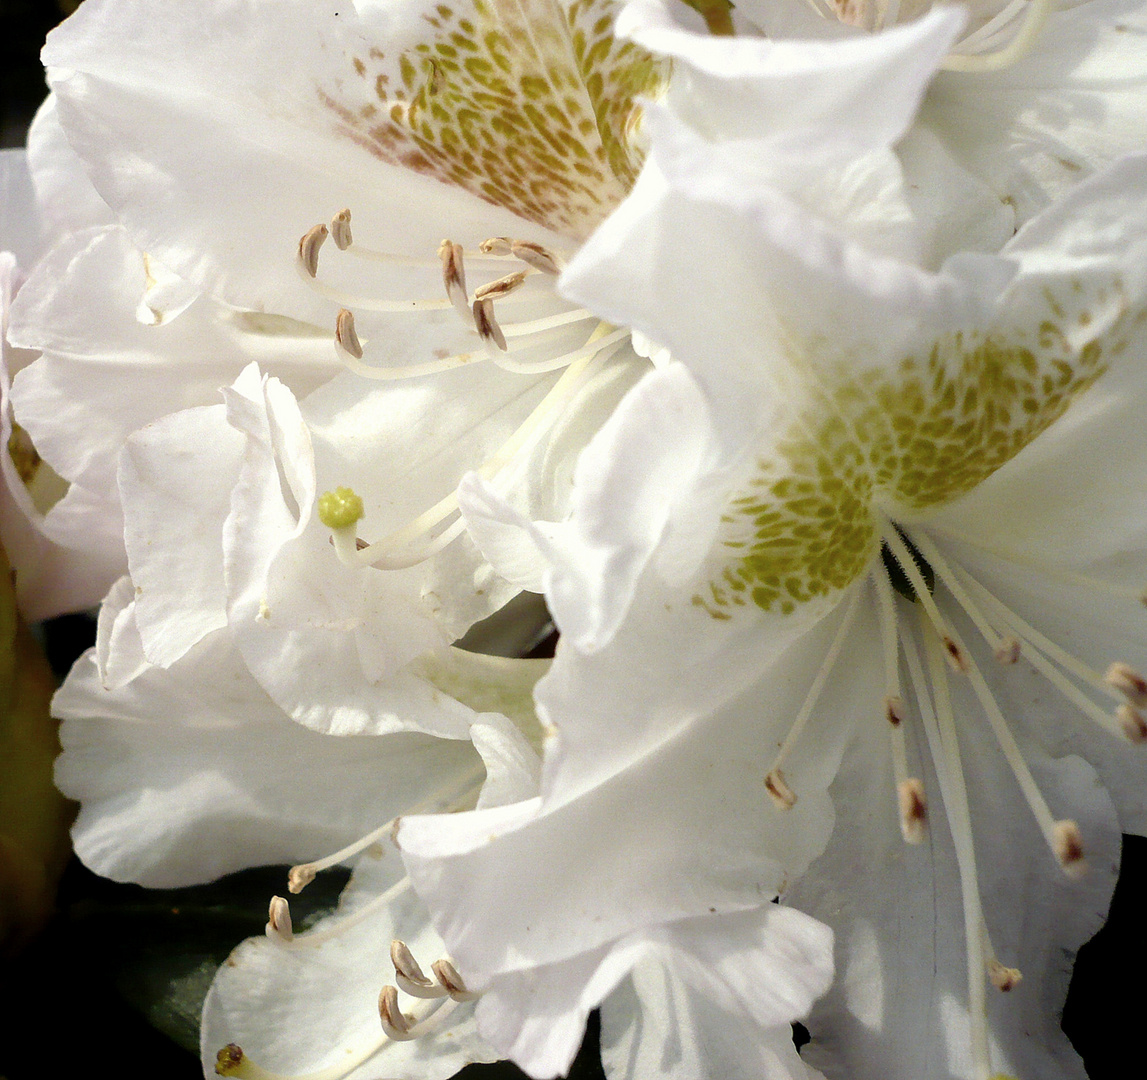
339,509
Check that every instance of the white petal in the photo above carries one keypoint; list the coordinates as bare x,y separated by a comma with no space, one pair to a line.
513,768
296,1008
175,480
193,772
91,390
119,650
817,93
65,195
657,1027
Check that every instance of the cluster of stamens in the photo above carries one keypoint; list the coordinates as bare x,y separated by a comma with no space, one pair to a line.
437,995
907,555
441,524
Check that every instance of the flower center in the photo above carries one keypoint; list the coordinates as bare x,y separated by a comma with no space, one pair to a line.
905,439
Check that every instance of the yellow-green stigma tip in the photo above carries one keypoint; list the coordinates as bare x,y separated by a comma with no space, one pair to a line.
1001,1076
340,508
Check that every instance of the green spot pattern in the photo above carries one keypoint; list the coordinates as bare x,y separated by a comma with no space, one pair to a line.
899,442
528,104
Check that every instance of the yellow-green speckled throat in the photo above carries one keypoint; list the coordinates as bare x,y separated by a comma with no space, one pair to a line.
529,104
896,442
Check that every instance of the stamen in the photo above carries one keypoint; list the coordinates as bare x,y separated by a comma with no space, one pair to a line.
1003,978
1128,682
535,255
299,877
410,976
448,976
783,796
1016,49
940,728
503,286
342,923
1006,650
450,797
1121,725
309,244
346,338
487,326
279,920
454,278
232,1061
497,245
1068,847
397,1025
895,543
1132,724
594,345
1056,833
340,230
913,810
910,798
551,322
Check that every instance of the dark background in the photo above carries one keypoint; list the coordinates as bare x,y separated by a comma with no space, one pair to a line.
114,978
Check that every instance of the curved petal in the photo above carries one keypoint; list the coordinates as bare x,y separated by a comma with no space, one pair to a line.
655,1025
193,772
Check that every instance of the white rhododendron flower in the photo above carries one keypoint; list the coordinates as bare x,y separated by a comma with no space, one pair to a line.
373,225
392,368
870,515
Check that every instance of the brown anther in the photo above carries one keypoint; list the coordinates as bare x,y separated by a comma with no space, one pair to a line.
340,230
454,277
1068,844
1003,978
487,325
395,1023
782,795
408,973
299,877
309,244
345,334
913,810
448,976
1008,651
496,245
956,657
535,255
279,920
894,710
1128,681
1132,722
495,290
229,1060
